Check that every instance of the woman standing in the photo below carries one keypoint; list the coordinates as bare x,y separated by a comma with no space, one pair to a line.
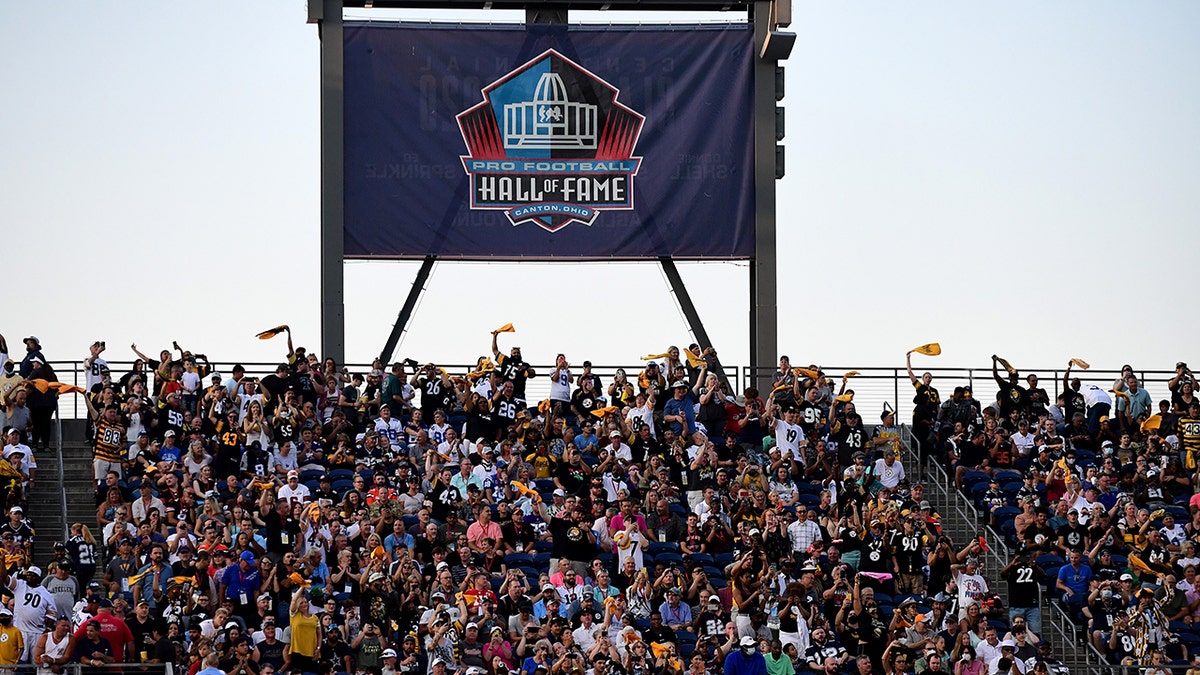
306,634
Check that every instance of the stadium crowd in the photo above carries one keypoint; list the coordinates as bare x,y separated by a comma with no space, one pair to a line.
407,520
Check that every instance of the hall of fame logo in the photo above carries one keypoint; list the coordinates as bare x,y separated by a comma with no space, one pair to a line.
549,144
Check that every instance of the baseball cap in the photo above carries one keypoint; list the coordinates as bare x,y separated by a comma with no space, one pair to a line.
248,556
389,653
747,641
293,474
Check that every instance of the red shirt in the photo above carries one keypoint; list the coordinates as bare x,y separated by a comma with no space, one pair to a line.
113,629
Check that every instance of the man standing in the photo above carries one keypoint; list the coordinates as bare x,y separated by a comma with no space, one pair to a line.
33,605
109,446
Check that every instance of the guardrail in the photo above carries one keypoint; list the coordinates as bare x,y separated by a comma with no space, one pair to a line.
873,386
62,486
79,669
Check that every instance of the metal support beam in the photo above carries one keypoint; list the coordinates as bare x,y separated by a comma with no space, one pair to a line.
410,303
545,15
764,320
692,316
333,313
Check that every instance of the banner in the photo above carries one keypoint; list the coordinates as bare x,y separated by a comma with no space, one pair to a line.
548,142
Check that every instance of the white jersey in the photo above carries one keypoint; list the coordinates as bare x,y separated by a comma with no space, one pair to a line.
1093,395
788,437
298,494
560,385
32,605
641,417
94,375
392,428
244,406
437,433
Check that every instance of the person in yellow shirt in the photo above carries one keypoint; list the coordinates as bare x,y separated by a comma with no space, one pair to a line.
306,634
12,642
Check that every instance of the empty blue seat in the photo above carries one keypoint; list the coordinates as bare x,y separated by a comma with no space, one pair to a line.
545,484
1008,476
311,474
343,486
714,572
341,474
656,547
669,559
701,559
679,510
723,559
1050,560
518,560
809,500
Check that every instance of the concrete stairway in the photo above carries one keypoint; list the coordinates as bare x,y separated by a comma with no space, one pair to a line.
45,500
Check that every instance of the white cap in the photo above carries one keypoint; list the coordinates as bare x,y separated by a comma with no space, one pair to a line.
748,641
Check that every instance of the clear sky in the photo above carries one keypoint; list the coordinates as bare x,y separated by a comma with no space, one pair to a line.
1010,177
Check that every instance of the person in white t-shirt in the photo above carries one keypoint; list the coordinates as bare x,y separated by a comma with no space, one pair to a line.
888,471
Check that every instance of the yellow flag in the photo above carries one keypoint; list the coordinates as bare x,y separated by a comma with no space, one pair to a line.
506,328
693,360
852,373
1003,362
64,388
272,332
845,398
609,410
807,372
525,490
1154,422
931,349
1081,363
781,388
39,384
544,406
652,357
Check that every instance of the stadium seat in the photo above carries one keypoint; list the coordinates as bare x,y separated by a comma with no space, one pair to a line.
656,547
702,559
545,484
311,474
518,560
343,486
809,500
1008,477
679,510
972,478
669,559
1047,560
341,474
714,572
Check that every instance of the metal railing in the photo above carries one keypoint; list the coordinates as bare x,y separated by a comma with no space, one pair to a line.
79,668
62,485
873,386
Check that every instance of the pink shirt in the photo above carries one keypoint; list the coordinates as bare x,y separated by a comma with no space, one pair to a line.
477,532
